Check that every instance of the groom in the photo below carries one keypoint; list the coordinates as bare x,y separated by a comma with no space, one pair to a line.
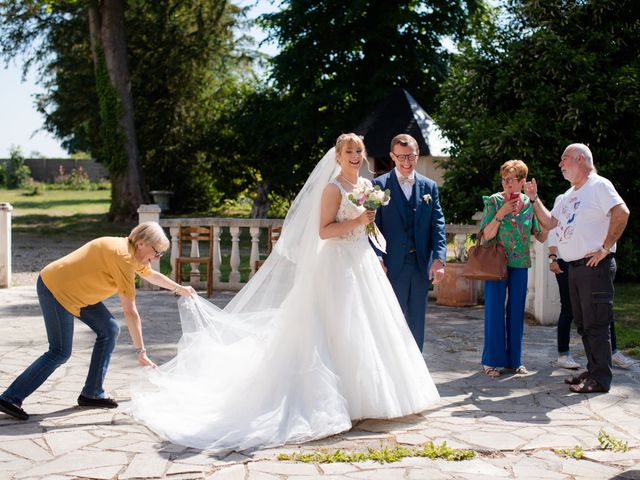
413,226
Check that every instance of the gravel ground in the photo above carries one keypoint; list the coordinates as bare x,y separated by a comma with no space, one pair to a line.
31,253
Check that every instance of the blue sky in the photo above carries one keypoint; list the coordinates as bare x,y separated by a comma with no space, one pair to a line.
21,124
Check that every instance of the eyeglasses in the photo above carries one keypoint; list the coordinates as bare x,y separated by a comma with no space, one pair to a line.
510,180
157,254
411,157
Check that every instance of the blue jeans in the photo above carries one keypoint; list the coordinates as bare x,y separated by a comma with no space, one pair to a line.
59,324
504,327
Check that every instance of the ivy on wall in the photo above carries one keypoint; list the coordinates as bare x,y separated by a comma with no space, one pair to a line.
113,153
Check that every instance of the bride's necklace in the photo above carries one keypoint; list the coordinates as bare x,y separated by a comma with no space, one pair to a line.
354,185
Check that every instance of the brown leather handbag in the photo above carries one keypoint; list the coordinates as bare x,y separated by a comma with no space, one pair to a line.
486,262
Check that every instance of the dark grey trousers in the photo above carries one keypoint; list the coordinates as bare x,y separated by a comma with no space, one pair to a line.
591,291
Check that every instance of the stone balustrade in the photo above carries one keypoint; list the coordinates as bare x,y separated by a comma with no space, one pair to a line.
233,226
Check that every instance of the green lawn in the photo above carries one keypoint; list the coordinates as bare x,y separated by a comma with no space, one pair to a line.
75,213
626,307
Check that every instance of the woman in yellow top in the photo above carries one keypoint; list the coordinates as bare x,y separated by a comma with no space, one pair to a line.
75,286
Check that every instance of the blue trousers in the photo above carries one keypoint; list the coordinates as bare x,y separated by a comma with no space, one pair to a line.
504,325
59,325
411,288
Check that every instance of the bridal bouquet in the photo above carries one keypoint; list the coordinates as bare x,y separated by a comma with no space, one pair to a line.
371,198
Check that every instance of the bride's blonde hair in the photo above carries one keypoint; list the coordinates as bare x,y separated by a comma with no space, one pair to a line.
354,140
350,139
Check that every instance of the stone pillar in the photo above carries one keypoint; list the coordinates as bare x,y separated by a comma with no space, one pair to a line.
149,213
5,245
543,296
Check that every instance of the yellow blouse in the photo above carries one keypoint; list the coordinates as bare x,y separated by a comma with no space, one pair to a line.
94,272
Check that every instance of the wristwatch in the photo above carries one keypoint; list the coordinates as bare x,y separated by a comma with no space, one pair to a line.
554,259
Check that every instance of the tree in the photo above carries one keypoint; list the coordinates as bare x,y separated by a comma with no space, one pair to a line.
113,85
338,59
551,74
185,64
28,25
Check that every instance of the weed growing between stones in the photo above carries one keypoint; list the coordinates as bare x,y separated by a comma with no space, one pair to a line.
383,455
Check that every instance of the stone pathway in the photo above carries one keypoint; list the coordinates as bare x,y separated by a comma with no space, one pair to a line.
513,423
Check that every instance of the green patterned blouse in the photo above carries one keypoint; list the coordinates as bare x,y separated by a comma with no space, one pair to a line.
514,231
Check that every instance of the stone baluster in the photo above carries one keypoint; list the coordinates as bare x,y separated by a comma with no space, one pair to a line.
459,248
5,245
234,276
255,252
195,253
217,255
173,237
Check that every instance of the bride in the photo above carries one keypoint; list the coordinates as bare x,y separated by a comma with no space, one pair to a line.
315,340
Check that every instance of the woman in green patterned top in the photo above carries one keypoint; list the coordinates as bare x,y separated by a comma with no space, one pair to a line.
508,218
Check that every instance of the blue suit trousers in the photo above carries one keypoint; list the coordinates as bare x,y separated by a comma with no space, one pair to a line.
411,287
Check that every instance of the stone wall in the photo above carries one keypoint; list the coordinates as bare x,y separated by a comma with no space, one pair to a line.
46,169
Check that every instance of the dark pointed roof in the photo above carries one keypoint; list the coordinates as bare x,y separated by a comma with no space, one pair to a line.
397,113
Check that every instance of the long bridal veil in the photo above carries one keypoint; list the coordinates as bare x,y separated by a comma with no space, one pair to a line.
256,373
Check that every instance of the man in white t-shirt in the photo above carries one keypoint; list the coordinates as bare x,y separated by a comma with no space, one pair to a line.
589,219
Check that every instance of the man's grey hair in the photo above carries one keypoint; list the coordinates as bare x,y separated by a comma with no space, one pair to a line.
583,150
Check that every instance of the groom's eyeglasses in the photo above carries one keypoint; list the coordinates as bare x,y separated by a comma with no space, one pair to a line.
403,158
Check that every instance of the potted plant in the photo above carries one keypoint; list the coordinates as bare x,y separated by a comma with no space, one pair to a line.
455,290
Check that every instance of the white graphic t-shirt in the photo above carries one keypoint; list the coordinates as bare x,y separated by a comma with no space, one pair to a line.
583,217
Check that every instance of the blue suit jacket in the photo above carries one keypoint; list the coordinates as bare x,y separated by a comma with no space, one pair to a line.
430,239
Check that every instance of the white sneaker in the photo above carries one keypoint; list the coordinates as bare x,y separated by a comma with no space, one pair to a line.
620,361
567,361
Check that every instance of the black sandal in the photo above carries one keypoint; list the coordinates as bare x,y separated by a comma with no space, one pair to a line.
576,379
588,386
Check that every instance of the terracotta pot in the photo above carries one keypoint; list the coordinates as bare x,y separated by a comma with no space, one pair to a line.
456,291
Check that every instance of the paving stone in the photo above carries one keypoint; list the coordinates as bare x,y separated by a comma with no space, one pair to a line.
389,473
476,466
492,440
176,468
585,469
533,468
28,449
411,438
100,473
284,468
63,442
145,465
74,461
336,468
551,440
234,472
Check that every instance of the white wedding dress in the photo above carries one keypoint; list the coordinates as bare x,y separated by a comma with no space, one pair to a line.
315,340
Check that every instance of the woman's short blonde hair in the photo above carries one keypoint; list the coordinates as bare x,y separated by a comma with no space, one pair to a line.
151,233
516,167
349,139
